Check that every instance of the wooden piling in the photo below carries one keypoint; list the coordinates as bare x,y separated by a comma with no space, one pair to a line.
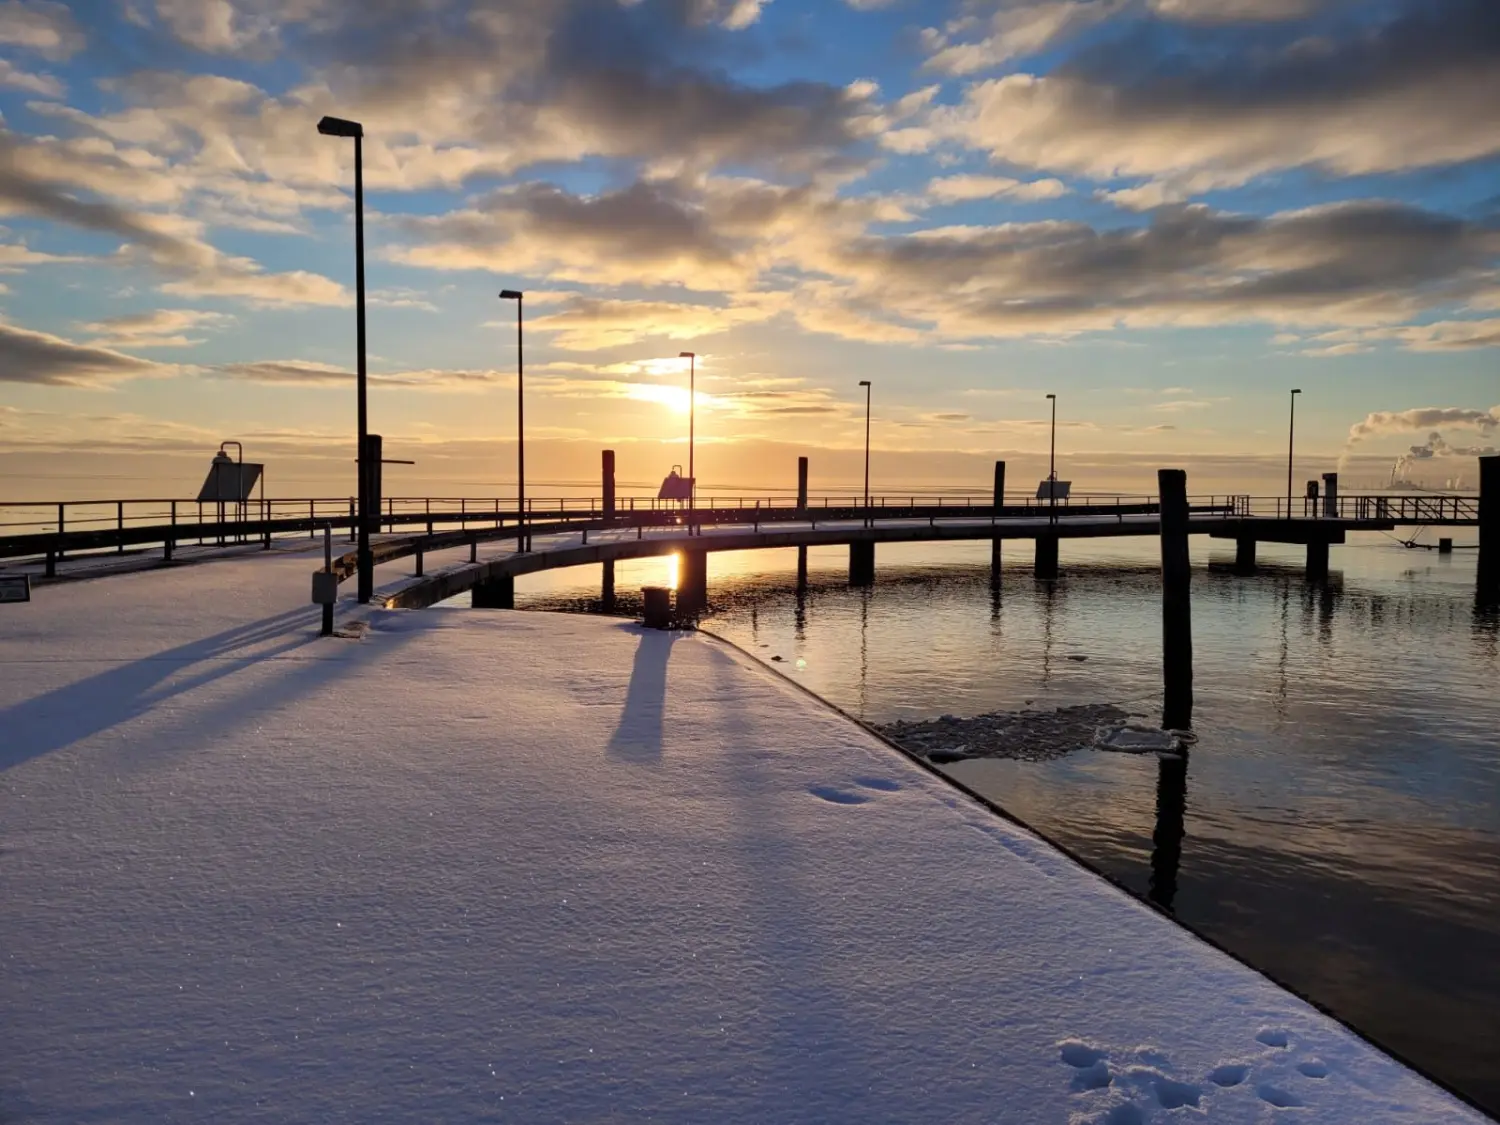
1244,555
498,592
862,564
1045,566
801,506
1176,607
1317,560
692,582
999,503
609,486
607,587
1488,579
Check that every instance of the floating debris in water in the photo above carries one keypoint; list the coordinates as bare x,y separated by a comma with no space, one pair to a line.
1139,738
1027,736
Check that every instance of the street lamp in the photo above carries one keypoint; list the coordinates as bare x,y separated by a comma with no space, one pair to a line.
1052,466
338,127
1291,433
865,383
692,358
521,543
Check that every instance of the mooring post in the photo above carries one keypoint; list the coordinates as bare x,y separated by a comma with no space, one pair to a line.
609,484
862,563
328,569
607,589
692,582
1445,546
802,507
1176,609
1244,555
1045,566
419,562
1489,531
498,592
1317,560
1166,840
999,504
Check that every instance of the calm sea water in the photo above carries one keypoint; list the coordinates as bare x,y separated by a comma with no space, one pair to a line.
1338,822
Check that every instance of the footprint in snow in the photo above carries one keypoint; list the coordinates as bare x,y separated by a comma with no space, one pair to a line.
1272,1037
837,796
884,784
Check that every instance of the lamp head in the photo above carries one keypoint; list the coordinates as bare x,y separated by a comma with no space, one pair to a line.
1297,391
510,294
339,127
864,382
687,355
1052,397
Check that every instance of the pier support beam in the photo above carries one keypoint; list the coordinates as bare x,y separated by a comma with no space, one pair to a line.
1488,588
801,507
607,587
861,564
1244,555
496,593
801,568
1176,608
999,502
692,582
1045,567
1317,561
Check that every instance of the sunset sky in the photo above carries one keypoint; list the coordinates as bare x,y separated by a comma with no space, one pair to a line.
1168,212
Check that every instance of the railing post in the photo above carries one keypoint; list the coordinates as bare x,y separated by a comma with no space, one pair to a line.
352,521
328,569
120,526
62,516
312,519
200,523
172,534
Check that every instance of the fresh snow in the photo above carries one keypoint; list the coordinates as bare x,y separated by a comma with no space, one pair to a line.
498,866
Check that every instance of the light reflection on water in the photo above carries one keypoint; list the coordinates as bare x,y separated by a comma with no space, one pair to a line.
1342,806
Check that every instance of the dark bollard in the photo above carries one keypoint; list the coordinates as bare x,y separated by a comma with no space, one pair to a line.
1488,586
607,588
608,482
52,563
692,582
419,562
1445,546
861,564
656,602
801,568
1045,566
801,483
999,502
1317,561
498,592
1244,555
1176,608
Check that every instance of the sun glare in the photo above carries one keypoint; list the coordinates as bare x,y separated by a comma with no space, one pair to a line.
675,399
673,566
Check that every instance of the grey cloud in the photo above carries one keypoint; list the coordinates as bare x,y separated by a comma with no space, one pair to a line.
309,373
1421,88
43,359
1424,418
42,26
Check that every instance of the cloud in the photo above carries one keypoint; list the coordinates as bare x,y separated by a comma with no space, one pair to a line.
594,323
1373,99
1014,30
15,258
310,373
954,189
1424,418
41,26
40,358
18,79
160,328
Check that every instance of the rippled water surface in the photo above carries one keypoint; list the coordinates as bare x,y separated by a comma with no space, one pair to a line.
1338,822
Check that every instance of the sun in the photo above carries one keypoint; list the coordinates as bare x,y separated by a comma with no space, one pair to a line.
675,399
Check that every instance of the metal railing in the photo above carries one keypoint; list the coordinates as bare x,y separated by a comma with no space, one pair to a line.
57,528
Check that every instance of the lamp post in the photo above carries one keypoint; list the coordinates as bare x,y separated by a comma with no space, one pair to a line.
692,358
1291,434
865,383
338,127
1052,466
521,542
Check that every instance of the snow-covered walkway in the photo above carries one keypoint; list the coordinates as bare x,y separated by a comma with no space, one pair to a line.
522,867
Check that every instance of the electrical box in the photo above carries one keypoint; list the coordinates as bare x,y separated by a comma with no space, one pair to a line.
325,588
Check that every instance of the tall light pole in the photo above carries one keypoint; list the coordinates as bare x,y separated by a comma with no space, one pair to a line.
338,127
1052,466
1291,434
521,543
692,358
865,383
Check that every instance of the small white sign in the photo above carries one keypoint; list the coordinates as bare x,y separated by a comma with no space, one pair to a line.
15,588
